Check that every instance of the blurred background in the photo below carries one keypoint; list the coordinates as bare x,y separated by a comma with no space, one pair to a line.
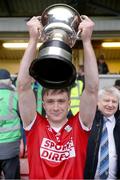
105,13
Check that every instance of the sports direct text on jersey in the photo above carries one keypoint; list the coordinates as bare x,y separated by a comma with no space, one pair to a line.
51,151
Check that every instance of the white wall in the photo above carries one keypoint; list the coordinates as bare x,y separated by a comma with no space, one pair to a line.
107,80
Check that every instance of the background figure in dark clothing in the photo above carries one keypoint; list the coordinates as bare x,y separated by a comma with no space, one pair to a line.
102,65
117,84
109,113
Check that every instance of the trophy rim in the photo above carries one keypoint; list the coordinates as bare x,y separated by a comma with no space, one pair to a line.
61,4
58,5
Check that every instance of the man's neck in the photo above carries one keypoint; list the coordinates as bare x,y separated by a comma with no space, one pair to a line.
58,124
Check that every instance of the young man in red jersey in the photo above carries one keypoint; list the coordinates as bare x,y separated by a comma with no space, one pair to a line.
57,145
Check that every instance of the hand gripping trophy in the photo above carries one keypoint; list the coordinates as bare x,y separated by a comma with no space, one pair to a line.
53,68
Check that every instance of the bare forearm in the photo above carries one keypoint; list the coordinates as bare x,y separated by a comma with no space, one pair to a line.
88,100
27,101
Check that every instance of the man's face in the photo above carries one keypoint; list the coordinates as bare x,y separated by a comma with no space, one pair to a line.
56,106
108,104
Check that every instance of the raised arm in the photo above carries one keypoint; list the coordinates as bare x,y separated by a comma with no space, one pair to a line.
88,101
27,102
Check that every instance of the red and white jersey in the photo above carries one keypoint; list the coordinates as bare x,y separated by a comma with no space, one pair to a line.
54,155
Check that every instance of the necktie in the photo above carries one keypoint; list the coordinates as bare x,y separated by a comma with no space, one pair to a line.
104,153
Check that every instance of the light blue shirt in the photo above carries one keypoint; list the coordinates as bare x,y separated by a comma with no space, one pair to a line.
110,124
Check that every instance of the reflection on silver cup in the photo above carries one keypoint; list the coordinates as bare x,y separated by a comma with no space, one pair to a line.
53,68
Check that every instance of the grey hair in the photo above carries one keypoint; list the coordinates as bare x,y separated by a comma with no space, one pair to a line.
111,90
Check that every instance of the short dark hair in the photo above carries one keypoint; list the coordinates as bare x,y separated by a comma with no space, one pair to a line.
117,82
101,57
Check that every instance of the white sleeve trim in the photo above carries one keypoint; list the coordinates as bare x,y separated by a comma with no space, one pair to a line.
84,127
28,128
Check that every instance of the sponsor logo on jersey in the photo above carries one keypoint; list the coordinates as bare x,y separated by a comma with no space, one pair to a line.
68,128
51,151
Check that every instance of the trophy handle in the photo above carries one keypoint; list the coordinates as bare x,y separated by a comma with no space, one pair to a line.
78,34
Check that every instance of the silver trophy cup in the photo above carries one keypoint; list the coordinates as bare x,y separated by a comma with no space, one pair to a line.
53,68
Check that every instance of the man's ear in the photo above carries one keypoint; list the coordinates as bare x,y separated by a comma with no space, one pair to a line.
43,104
69,103
98,104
